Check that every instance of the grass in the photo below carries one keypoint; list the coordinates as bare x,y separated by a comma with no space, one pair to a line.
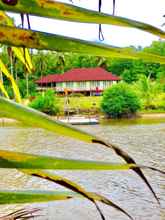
89,105
82,104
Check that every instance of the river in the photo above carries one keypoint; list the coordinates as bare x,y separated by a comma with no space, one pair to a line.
144,141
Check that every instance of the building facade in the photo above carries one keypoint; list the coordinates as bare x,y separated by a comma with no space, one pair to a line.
79,80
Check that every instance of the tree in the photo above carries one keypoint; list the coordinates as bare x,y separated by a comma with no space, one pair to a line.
46,102
129,76
120,101
117,66
157,47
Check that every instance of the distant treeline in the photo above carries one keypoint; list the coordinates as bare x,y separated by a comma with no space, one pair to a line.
47,62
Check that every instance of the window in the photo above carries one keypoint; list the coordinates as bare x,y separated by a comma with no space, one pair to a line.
106,84
69,85
95,84
81,85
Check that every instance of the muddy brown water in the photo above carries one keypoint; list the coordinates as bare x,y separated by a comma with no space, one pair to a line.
144,141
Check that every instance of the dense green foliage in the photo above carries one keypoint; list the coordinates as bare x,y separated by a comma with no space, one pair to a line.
27,88
150,92
54,62
22,84
120,101
46,102
133,72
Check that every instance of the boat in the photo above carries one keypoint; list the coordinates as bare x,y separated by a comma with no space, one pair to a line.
80,120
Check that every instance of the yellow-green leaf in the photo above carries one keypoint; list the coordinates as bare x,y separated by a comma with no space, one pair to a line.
39,40
5,19
24,57
9,159
63,11
75,188
22,54
13,197
5,71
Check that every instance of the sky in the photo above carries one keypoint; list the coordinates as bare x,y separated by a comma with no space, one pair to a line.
148,11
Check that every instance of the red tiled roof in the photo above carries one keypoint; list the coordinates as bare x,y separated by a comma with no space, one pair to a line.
80,74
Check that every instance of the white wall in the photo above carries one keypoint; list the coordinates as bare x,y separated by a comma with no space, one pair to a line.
82,86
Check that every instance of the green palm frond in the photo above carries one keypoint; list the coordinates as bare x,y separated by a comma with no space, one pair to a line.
63,11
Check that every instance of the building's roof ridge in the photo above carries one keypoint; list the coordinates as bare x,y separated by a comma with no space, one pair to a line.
80,74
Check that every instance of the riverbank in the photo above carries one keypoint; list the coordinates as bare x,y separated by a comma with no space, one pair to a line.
153,115
8,121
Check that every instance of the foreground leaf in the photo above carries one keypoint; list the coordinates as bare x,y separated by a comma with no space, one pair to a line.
24,57
75,188
10,159
63,11
39,40
37,119
5,19
14,197
21,214
5,71
22,54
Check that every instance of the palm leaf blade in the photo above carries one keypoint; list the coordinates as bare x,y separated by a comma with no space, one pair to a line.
9,159
93,197
22,55
5,71
63,11
39,40
13,197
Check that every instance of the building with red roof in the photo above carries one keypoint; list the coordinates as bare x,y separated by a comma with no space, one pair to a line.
81,80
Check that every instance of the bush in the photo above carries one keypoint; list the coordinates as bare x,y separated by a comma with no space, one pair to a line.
120,101
129,76
46,102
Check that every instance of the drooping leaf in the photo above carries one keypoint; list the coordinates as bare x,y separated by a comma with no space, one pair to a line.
63,11
14,197
75,188
24,57
5,71
39,40
37,119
